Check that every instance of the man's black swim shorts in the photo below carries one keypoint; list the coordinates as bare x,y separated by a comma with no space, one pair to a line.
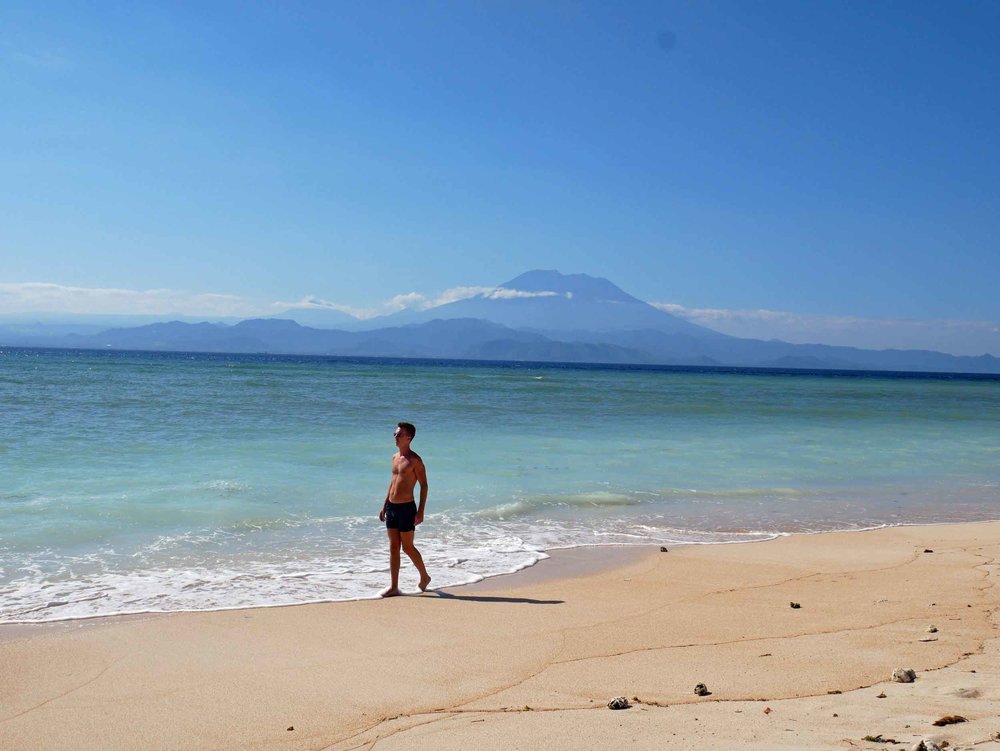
401,516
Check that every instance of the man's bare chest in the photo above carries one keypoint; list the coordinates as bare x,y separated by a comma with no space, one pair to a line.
402,467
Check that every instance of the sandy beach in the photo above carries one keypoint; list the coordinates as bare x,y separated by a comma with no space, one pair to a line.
530,660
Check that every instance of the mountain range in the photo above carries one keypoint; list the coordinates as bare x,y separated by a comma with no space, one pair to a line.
539,316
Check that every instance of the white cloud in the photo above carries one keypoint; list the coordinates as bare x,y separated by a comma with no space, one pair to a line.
44,297
311,302
458,293
418,301
943,335
502,293
721,314
394,304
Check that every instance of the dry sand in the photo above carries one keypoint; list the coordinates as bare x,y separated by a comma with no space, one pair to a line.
530,661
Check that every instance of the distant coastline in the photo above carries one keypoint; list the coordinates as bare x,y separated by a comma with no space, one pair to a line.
539,316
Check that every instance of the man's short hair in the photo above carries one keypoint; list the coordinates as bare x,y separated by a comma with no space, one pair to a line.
408,427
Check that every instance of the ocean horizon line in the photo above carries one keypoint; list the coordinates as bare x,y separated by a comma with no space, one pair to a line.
539,364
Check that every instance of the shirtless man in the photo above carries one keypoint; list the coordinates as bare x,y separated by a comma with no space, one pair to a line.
400,512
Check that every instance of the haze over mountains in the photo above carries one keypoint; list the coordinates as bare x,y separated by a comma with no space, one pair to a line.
538,316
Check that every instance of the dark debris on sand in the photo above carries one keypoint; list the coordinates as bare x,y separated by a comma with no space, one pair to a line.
950,719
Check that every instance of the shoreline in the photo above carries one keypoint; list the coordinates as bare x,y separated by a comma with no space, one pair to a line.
557,563
516,661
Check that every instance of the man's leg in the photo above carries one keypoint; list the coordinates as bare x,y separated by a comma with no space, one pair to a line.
394,542
406,538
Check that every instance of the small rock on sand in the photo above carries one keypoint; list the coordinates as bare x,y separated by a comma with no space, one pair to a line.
904,675
932,629
663,548
619,702
702,690
925,745
794,605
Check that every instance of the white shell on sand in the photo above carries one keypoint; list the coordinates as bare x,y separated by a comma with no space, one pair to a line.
904,675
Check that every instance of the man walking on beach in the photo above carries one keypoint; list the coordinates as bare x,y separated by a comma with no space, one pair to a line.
400,512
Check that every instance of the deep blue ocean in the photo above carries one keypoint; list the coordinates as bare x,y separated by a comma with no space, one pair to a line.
136,481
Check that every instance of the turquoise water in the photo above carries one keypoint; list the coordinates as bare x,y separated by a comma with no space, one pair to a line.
134,482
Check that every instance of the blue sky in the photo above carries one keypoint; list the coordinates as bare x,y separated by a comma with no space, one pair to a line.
819,160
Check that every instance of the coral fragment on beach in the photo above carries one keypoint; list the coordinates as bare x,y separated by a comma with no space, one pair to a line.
619,702
904,675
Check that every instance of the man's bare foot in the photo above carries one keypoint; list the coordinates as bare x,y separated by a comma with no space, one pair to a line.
424,581
390,592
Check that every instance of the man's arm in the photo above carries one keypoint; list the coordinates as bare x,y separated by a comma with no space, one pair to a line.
385,504
421,471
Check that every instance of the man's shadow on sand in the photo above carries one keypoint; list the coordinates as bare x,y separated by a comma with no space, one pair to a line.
485,598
